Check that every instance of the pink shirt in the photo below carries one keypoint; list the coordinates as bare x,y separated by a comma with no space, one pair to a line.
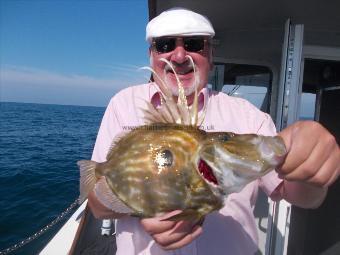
231,230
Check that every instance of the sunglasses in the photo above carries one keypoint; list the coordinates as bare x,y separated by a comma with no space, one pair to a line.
168,44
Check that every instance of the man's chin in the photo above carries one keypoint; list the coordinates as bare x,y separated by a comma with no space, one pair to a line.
187,84
184,78
187,90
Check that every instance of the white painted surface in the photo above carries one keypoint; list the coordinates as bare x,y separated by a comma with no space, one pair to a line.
62,241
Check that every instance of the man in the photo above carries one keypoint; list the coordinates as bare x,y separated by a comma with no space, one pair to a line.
312,162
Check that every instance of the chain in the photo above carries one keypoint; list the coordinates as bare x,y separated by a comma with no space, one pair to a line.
40,232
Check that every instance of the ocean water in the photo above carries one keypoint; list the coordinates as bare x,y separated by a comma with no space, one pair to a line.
39,147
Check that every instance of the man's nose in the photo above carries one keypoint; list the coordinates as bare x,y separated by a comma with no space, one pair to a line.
178,55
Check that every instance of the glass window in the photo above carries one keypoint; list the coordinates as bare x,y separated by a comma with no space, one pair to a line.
250,82
307,106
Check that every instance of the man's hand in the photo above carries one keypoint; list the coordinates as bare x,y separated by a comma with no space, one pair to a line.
311,166
313,154
170,234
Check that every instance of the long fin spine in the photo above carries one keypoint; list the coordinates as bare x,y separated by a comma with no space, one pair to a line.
171,112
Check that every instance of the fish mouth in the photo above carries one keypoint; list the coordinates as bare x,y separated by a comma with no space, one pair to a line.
206,171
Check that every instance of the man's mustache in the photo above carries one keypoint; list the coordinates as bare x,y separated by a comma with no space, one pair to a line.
186,65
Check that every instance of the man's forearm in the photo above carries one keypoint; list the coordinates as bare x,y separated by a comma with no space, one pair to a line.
302,194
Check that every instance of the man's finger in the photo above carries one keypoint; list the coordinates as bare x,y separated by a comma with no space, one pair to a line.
181,229
197,230
309,167
326,174
298,150
156,225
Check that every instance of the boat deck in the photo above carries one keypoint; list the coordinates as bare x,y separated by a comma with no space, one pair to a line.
90,241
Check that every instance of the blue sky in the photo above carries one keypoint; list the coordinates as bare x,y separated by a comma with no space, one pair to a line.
75,52
78,52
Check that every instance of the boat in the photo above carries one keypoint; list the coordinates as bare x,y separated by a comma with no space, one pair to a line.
283,56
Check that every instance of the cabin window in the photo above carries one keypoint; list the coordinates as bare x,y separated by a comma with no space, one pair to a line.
307,106
250,82
319,76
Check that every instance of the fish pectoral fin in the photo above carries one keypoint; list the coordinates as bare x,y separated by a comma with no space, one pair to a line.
87,178
187,215
109,199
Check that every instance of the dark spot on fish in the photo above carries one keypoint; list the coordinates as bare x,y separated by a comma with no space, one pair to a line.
224,137
206,171
164,158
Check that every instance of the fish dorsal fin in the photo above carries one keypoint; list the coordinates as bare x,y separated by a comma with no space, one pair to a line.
170,111
114,142
109,199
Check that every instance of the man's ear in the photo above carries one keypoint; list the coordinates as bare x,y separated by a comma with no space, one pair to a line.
151,60
211,62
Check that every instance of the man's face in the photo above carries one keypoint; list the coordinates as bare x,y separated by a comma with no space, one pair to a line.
176,50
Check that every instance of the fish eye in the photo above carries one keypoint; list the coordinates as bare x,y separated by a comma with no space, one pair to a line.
224,138
164,158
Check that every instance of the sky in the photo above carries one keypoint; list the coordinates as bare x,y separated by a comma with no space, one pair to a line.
73,52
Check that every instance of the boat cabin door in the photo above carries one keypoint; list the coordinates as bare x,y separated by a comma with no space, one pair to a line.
309,90
318,231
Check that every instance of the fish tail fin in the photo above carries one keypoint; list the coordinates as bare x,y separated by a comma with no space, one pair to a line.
87,178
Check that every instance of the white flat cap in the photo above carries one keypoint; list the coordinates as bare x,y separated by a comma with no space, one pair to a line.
178,21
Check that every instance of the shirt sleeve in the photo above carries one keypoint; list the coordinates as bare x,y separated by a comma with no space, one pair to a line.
109,128
270,182
267,126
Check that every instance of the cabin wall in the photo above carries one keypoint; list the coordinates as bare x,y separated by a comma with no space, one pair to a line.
256,47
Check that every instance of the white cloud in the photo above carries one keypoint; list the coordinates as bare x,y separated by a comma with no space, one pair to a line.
26,84
27,75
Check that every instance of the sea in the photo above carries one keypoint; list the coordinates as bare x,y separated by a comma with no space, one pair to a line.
40,145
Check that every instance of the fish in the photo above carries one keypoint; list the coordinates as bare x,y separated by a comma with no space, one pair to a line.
171,164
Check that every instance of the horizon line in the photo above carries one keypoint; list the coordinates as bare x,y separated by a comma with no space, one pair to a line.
16,102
